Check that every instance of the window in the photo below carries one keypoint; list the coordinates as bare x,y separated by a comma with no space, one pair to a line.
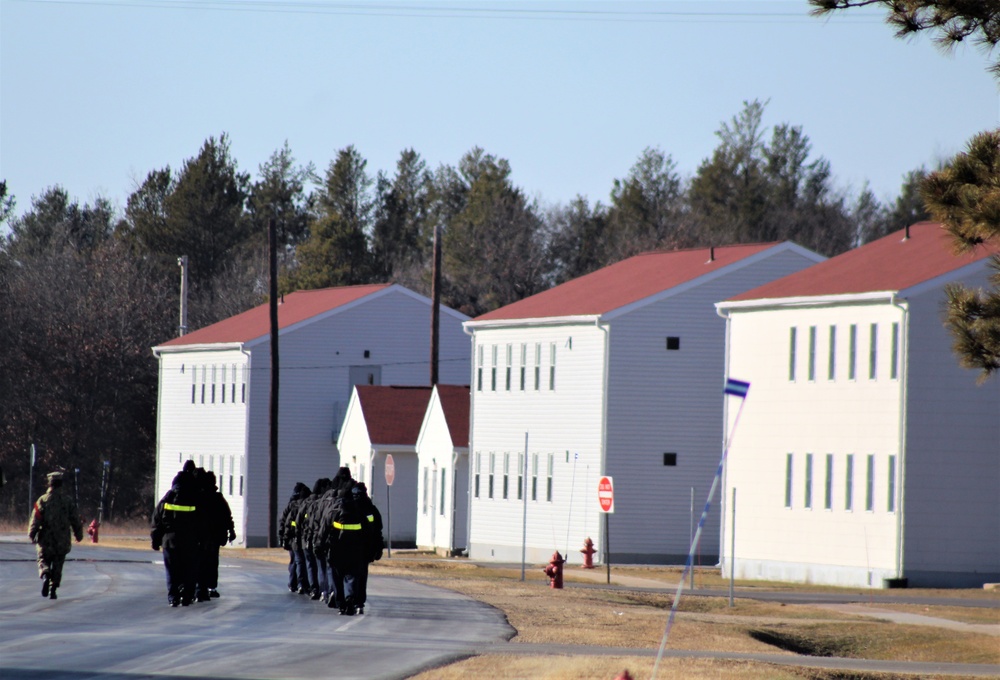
828,489
852,356
870,485
223,381
673,342
872,352
538,365
670,459
788,480
232,461
548,478
520,476
506,475
243,390
479,369
213,383
194,383
492,464
493,370
242,465
894,366
443,495
475,477
524,363
552,366
510,364
809,481
812,353
791,354
232,393
204,379
891,505
534,476
831,370
849,483
423,501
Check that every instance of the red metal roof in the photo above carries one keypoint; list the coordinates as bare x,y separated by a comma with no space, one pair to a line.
891,263
292,309
625,282
392,413
455,400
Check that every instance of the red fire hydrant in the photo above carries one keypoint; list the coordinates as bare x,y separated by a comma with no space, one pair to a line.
588,553
92,530
555,570
624,675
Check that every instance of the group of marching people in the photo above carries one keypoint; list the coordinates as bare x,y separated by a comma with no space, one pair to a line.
332,533
191,522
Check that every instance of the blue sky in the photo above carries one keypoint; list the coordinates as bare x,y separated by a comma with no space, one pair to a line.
94,94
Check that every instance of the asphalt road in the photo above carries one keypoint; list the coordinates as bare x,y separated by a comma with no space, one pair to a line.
112,622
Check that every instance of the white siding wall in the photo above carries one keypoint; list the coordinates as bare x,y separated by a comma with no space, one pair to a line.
567,419
841,546
213,434
670,401
952,473
435,453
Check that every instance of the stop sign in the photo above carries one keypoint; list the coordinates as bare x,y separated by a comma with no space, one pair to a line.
390,470
606,494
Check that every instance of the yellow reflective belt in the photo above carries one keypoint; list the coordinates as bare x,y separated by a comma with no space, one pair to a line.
349,527
178,508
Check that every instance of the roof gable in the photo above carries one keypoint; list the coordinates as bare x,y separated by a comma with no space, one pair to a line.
293,308
892,263
625,282
393,414
455,402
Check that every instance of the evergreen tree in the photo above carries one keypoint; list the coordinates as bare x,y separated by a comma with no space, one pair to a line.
403,229
646,207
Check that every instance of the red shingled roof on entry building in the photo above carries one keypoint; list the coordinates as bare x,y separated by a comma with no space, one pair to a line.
393,414
455,401
625,282
294,308
891,263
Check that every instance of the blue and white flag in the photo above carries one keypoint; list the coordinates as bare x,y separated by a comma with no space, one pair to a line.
737,388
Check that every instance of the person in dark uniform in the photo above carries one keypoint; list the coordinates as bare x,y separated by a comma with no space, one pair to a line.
53,517
289,540
175,529
348,552
218,530
307,525
374,543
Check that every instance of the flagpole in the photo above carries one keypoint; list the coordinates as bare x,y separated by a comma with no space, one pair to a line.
735,388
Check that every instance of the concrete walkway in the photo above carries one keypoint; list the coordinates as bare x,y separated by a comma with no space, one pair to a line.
915,619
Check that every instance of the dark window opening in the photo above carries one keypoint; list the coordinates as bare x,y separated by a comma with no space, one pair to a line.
670,459
673,342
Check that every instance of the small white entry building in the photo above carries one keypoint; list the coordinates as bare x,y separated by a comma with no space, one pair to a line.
617,373
865,456
214,387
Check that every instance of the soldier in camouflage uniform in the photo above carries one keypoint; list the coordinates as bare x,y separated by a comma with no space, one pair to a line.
53,517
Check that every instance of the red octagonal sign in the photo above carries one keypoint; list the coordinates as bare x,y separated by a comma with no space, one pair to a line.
606,494
390,470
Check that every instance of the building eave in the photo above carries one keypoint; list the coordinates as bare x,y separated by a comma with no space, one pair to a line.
882,296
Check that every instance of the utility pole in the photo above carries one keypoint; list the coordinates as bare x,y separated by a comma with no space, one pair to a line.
435,305
272,521
183,262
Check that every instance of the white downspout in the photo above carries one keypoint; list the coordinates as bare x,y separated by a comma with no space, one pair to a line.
472,421
904,335
602,465
245,463
723,504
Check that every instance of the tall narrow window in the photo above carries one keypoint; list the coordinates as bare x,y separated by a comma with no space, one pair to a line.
489,489
242,472
812,353
443,495
873,352
232,460
213,383
534,476
538,365
831,366
223,382
894,366
520,476
828,488
479,368
852,353
870,484
791,354
788,480
194,383
493,370
552,366
426,485
548,478
232,392
506,475
243,388
475,476
849,483
809,481
510,364
524,364
891,505
204,380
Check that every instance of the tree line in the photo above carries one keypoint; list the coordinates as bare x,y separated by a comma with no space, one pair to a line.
86,290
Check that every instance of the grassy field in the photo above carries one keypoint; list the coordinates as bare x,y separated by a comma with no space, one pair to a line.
635,619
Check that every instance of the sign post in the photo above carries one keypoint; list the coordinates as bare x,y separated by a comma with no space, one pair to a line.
390,476
606,500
